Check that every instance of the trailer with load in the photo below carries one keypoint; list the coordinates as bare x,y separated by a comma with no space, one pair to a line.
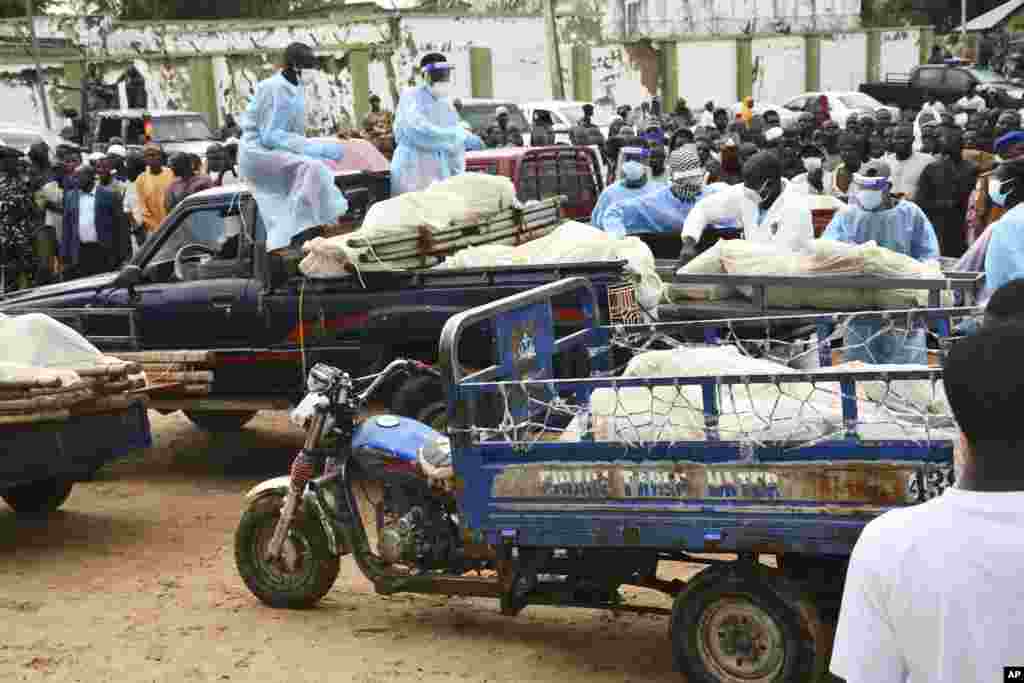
560,492
65,411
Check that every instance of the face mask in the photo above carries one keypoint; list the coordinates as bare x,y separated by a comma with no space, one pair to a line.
440,90
687,189
998,192
869,200
307,77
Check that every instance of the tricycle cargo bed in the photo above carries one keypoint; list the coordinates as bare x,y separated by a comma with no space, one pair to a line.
757,458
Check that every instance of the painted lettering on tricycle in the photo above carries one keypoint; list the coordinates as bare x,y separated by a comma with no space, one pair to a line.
883,484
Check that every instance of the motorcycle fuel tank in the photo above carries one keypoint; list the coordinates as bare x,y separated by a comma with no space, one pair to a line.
402,437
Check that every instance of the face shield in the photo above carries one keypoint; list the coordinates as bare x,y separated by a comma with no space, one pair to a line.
439,77
869,192
631,160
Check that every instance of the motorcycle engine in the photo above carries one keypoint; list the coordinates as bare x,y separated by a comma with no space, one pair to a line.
404,541
422,538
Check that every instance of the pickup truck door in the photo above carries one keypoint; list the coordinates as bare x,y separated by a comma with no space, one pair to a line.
215,307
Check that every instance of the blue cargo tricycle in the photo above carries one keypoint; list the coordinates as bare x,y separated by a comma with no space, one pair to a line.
562,491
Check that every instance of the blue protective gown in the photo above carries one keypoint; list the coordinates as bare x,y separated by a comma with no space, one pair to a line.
293,188
658,211
903,229
429,141
616,193
1004,260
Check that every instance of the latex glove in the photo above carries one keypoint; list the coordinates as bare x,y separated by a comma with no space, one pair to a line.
687,253
325,150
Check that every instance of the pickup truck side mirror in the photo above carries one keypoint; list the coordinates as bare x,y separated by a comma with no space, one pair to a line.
128,278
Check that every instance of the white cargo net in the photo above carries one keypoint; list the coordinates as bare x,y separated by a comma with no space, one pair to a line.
759,390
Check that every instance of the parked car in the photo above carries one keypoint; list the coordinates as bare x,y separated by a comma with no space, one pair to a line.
785,115
840,105
479,114
565,115
175,131
949,82
23,137
542,172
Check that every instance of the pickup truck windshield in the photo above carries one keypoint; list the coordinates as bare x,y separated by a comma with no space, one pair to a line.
181,129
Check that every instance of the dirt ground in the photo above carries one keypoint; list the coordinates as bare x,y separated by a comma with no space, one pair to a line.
134,580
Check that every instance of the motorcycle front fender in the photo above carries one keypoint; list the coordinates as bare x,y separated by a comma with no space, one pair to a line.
279,486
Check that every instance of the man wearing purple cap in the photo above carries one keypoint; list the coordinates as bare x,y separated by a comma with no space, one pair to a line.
981,212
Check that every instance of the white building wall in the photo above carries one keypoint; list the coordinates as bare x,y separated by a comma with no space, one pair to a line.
900,51
780,68
844,61
707,71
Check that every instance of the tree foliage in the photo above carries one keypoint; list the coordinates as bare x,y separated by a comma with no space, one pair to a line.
174,10
944,15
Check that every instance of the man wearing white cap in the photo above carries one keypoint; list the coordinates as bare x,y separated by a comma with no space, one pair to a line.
498,134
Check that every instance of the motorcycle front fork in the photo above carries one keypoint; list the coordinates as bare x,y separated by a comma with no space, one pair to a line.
303,469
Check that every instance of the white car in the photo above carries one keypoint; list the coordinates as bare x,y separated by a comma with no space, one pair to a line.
840,105
565,115
23,137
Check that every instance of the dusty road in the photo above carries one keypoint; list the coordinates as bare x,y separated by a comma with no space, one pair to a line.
134,580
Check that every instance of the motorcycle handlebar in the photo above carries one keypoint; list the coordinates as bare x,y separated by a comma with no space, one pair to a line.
395,366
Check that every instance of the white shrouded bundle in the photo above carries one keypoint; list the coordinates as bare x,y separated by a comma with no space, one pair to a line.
462,198
795,411
571,242
822,257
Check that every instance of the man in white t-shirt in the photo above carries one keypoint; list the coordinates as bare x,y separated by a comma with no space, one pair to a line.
934,591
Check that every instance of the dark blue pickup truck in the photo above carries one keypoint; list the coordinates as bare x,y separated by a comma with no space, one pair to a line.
244,305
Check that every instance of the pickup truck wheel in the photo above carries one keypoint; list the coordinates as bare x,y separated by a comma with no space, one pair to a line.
746,625
39,497
422,398
221,422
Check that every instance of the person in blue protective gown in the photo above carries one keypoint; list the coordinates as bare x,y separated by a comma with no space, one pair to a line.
633,183
430,143
285,171
665,209
1004,258
874,215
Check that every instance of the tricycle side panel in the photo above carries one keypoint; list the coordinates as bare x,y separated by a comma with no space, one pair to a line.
697,498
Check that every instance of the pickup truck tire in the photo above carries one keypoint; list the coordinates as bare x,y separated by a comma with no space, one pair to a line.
221,422
735,623
422,398
38,498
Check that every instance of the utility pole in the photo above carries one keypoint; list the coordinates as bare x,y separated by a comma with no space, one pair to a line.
554,55
30,11
963,21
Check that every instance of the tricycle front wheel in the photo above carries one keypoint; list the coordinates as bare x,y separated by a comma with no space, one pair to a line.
745,624
306,570
39,497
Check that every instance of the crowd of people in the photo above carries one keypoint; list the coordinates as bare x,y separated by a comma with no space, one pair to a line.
65,214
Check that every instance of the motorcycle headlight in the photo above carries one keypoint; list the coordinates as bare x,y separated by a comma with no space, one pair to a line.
321,378
438,452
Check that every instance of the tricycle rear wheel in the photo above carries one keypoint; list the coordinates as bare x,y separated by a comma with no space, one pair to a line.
745,624
39,497
307,569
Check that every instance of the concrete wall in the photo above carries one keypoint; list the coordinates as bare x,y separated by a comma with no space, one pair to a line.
780,68
843,61
707,71
214,68
900,51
